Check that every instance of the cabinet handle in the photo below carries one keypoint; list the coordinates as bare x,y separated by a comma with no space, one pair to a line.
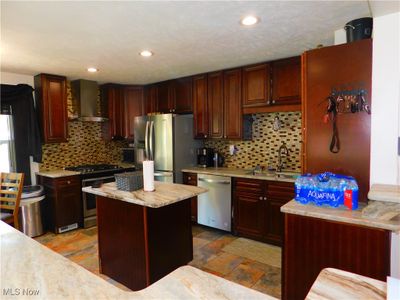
265,198
205,135
273,101
261,198
68,182
189,178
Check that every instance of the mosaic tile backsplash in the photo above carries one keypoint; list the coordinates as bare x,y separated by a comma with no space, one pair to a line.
85,144
263,148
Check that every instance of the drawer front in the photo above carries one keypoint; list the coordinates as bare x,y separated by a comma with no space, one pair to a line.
70,181
190,178
281,190
249,186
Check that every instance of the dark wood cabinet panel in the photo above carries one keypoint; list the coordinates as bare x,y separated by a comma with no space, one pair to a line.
313,244
113,97
133,107
256,85
165,96
150,99
286,81
233,104
216,104
63,204
183,95
200,107
257,206
355,61
191,179
51,96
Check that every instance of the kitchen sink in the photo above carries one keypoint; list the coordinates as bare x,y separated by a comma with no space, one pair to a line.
283,175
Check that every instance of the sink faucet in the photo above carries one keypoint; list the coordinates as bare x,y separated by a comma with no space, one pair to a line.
285,151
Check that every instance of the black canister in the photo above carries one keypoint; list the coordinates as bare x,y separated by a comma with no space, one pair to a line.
358,29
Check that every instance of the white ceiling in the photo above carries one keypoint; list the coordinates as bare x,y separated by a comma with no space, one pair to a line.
187,37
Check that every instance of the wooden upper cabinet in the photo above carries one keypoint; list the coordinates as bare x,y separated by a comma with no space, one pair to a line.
233,104
51,96
165,96
286,81
112,95
133,107
216,104
183,95
256,85
150,98
200,108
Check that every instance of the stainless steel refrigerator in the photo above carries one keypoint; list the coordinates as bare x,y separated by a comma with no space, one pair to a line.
168,140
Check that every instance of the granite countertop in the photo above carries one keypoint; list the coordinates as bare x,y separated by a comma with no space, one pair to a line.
332,284
48,275
57,173
164,194
64,173
242,173
385,192
340,214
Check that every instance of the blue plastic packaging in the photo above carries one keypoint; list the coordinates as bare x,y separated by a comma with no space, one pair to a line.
327,189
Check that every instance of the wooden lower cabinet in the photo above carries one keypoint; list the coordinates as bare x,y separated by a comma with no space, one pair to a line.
63,204
191,179
257,206
313,244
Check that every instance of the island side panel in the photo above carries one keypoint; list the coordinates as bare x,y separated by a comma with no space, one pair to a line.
313,244
121,234
169,238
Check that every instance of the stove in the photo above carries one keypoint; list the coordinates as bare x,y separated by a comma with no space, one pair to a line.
95,175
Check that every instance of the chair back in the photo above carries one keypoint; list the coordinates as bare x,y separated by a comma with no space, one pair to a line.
11,185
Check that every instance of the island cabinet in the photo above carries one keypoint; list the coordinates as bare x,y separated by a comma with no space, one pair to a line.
191,179
63,204
51,97
312,244
257,208
200,107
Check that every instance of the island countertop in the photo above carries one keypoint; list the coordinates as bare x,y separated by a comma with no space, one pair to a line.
164,194
340,214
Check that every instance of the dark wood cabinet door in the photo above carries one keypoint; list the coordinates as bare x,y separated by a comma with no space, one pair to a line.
277,194
150,99
51,95
165,96
286,81
113,96
183,95
200,108
313,244
191,179
249,208
216,104
256,85
233,104
133,102
68,201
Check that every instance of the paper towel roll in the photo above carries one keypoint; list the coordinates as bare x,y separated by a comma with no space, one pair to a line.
148,175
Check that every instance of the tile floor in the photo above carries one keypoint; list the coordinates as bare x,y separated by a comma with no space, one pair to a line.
213,252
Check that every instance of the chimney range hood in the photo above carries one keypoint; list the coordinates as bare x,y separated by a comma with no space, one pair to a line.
85,95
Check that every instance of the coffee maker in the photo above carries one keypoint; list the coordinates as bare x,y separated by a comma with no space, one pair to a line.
205,157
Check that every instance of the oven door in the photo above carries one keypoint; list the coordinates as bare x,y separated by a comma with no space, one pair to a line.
89,200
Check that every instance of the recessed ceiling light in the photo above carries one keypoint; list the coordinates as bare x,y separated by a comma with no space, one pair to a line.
92,70
249,20
146,53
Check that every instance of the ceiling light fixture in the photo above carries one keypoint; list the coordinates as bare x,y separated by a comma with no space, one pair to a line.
249,20
92,70
146,53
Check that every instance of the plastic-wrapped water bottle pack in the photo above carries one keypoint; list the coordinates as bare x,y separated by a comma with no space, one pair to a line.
327,189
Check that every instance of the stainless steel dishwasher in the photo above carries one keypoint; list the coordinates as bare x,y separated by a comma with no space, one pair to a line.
214,207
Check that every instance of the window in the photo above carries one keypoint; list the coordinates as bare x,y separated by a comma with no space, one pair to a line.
7,150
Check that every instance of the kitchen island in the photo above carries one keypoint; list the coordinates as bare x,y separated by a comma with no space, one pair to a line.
143,236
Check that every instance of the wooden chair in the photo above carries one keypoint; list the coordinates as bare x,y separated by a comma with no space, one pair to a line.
11,185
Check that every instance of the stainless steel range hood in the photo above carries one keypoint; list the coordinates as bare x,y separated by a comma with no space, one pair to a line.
85,94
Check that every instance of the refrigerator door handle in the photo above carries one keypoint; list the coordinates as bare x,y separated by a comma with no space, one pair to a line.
151,137
146,141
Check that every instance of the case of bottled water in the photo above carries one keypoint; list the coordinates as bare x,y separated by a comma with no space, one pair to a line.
327,189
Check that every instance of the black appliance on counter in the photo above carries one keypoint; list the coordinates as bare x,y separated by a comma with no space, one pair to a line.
205,157
95,175
128,155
